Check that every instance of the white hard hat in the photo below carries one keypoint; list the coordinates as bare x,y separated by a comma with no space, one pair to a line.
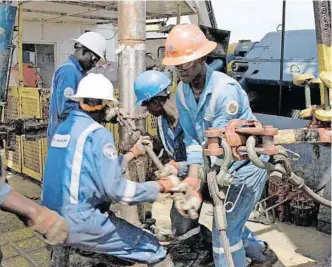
94,42
95,86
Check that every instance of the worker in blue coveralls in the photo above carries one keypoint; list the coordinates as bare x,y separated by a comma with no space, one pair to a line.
84,170
44,221
206,98
151,90
90,47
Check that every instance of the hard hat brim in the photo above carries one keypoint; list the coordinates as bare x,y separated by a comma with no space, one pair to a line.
101,56
203,51
164,92
77,98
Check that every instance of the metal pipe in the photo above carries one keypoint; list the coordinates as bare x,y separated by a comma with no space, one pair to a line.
20,46
307,94
178,15
132,52
327,106
322,15
282,53
9,72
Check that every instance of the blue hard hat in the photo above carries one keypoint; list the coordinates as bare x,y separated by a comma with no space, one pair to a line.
149,84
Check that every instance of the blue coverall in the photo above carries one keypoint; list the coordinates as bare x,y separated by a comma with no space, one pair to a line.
4,190
173,144
64,83
82,171
229,101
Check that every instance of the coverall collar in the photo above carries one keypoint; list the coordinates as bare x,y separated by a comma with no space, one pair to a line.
78,113
77,64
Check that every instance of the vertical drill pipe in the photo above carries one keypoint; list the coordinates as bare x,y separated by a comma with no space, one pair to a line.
132,50
307,94
132,36
282,54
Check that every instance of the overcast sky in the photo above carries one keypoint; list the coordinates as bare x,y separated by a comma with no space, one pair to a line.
252,19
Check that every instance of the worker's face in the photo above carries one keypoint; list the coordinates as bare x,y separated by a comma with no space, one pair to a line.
88,60
189,71
155,105
98,115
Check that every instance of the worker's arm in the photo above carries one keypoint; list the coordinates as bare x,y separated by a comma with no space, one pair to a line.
42,220
137,150
66,82
193,148
114,185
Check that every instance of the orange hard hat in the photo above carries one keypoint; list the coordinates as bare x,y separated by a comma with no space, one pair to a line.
186,43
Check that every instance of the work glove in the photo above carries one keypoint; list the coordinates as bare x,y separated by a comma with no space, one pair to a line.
187,197
139,149
171,168
53,227
169,182
113,113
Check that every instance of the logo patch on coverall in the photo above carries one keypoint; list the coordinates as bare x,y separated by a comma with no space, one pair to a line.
232,107
60,140
68,92
110,151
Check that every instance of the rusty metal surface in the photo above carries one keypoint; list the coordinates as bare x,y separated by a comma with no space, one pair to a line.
132,17
322,11
304,135
131,51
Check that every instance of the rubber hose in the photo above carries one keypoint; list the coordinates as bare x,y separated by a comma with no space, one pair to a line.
299,180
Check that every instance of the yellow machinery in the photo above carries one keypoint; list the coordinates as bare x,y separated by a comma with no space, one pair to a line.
323,113
24,102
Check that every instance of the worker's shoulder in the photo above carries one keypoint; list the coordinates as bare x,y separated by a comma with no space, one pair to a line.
102,135
67,67
222,79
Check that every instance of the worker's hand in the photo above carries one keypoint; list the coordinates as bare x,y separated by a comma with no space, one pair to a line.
171,168
52,226
169,182
187,197
113,113
139,149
